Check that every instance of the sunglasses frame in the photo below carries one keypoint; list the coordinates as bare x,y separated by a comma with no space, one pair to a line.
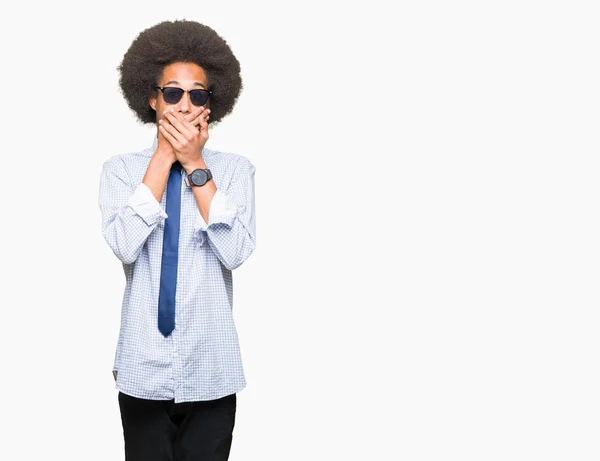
163,88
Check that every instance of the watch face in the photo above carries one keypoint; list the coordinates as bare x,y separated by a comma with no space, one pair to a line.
199,177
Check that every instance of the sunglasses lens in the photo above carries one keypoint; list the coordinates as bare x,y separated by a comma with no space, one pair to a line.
172,95
199,97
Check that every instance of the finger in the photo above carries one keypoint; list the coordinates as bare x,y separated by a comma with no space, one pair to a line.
174,136
192,116
169,137
176,121
180,123
205,116
204,126
184,130
202,114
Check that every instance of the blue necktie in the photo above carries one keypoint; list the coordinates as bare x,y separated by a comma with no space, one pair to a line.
168,272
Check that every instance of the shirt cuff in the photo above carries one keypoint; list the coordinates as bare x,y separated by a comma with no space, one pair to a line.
222,211
142,201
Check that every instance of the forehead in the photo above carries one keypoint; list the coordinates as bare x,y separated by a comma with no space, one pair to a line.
184,72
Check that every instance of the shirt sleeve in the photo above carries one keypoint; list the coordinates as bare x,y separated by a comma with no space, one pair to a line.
128,215
231,227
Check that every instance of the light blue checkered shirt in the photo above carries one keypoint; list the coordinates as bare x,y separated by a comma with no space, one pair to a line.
201,358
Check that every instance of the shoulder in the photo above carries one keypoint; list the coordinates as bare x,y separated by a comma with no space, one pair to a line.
227,160
128,160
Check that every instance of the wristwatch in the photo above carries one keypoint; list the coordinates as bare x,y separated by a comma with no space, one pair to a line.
198,177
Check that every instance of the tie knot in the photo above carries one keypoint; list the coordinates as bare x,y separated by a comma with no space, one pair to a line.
176,166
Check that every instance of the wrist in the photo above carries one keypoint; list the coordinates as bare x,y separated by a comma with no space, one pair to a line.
163,158
195,165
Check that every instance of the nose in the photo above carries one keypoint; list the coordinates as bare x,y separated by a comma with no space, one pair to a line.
185,104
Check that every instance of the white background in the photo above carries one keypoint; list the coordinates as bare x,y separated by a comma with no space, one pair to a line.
425,285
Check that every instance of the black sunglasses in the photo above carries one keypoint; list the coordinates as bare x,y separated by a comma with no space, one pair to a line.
172,95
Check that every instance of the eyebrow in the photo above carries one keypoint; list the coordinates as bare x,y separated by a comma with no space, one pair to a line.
176,82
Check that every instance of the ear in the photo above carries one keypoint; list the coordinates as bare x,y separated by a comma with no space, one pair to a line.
152,102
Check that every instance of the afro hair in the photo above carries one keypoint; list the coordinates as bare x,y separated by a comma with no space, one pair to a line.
179,41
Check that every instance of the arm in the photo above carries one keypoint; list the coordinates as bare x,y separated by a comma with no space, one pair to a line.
231,228
231,224
128,215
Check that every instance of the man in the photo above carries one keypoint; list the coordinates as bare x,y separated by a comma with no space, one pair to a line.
181,218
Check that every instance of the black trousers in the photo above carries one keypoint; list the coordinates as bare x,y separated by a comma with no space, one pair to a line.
162,430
